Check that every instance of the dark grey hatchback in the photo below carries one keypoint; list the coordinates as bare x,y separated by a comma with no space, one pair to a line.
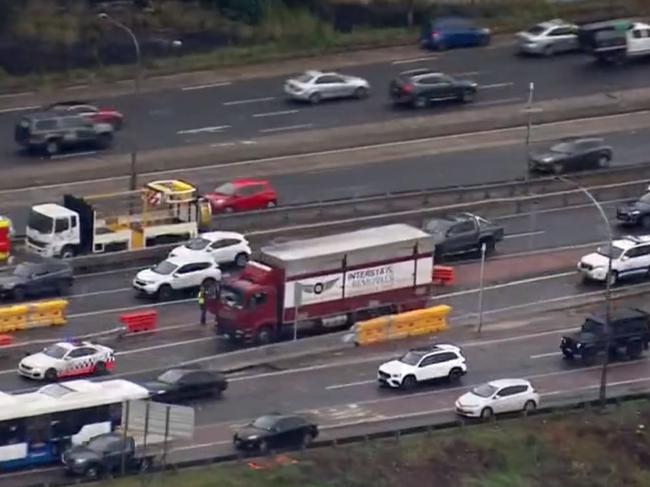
275,431
572,155
421,87
36,278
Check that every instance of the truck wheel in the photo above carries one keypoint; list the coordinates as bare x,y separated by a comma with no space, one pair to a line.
634,350
489,245
67,252
165,292
264,335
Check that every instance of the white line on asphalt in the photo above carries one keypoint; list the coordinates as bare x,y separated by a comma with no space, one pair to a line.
467,73
15,95
77,87
105,273
129,308
502,101
74,154
415,60
204,87
19,109
216,128
30,472
350,384
223,144
495,85
250,100
545,355
274,114
166,345
287,127
524,234
99,293
346,150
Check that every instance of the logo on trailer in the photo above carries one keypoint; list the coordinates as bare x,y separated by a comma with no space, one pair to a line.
318,287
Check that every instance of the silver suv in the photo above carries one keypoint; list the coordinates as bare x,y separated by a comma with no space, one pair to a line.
548,38
51,132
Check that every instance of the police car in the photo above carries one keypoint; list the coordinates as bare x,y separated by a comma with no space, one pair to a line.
67,359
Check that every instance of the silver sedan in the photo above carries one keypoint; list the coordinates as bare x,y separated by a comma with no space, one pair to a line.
314,86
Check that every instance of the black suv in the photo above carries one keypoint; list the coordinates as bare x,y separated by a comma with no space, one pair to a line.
629,331
51,132
636,212
420,87
572,155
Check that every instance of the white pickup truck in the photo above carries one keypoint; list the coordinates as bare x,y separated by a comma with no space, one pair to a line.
615,41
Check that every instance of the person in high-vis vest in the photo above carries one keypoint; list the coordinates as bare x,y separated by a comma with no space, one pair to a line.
201,300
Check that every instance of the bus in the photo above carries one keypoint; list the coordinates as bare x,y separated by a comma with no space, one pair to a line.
36,427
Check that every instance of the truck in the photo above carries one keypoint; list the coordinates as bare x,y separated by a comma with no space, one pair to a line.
161,212
615,41
325,283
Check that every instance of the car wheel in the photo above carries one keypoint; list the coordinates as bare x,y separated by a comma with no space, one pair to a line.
52,147
567,354
241,259
634,350
548,50
92,472
229,209
100,368
263,446
104,140
361,93
484,41
307,439
50,375
603,161
558,168
588,357
530,407
272,204
487,413
420,102
315,98
645,222
409,383
455,374
165,292
19,293
264,335
467,96
441,46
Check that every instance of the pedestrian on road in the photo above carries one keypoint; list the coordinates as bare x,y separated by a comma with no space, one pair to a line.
201,300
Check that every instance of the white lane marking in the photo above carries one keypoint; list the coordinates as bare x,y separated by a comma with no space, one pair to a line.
223,144
495,85
99,293
524,234
205,87
129,308
74,154
77,87
545,355
287,127
200,445
250,100
347,150
105,273
351,384
415,60
15,95
467,73
166,345
19,109
501,101
213,129
30,472
274,114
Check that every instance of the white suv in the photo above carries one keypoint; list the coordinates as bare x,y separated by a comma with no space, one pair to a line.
423,364
223,247
630,257
177,274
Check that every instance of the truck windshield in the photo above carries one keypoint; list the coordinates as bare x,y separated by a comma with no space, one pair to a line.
165,268
100,443
197,244
39,222
232,297
591,326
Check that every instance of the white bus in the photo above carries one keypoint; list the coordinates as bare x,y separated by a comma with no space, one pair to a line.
36,427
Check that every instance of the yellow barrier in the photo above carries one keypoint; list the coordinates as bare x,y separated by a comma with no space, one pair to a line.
395,327
33,315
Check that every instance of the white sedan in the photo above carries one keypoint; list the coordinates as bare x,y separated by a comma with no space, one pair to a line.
496,397
67,359
314,86
222,247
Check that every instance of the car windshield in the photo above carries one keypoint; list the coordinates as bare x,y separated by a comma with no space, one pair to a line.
228,189
304,78
171,376
197,244
264,423
23,270
411,358
485,390
100,444
536,30
563,148
55,351
39,222
616,251
231,297
164,268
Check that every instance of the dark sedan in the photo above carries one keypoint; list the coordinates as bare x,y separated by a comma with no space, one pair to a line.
572,155
176,385
36,279
636,212
275,431
421,87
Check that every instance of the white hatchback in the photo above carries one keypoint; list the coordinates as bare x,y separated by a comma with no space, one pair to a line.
496,397
177,274
222,247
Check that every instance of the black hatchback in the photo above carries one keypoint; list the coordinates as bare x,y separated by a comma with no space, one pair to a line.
275,431
421,87
572,155
181,384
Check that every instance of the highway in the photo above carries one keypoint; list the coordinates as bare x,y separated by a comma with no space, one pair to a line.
242,110
340,393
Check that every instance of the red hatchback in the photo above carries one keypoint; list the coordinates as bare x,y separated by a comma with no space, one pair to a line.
242,195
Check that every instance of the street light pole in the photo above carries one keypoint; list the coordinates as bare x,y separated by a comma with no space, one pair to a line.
138,71
480,291
608,284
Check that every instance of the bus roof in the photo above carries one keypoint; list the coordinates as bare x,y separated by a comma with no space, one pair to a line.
69,396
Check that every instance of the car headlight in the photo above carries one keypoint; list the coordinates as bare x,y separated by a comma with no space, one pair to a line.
547,159
79,460
579,345
252,438
635,212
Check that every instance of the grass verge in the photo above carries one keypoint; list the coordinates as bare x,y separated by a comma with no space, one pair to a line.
579,449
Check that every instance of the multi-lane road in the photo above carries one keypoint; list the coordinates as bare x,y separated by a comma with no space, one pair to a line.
227,112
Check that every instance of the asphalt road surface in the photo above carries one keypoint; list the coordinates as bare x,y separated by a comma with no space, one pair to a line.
243,110
340,392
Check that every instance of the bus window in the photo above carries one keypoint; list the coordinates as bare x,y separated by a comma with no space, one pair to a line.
115,413
12,432
38,430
